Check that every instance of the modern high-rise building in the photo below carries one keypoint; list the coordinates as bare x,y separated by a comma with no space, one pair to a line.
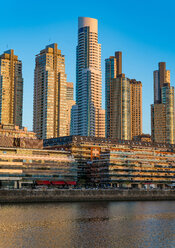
70,103
120,108
162,111
168,101
50,94
161,76
123,112
11,89
88,77
113,68
136,108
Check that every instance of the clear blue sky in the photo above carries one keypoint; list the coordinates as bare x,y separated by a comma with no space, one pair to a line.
142,30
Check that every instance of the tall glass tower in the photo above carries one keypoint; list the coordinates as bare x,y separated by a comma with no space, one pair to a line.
88,78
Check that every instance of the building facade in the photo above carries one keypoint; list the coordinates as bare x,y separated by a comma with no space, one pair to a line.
119,163
120,119
113,68
70,103
24,163
14,136
74,120
11,89
101,123
136,108
129,114
162,111
22,167
50,94
88,77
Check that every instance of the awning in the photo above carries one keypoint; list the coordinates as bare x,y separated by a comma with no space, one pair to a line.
58,182
71,183
43,182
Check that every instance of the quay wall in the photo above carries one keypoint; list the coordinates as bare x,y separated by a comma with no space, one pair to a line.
60,195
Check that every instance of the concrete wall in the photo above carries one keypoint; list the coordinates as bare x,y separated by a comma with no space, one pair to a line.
57,195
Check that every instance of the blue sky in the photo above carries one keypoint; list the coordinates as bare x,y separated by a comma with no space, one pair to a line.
142,30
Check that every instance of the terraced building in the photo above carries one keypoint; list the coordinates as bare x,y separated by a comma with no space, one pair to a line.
24,163
21,167
119,163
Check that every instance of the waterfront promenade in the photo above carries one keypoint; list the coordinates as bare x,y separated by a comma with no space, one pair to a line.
73,195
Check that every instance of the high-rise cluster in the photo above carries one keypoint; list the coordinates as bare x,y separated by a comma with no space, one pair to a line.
123,101
162,111
57,114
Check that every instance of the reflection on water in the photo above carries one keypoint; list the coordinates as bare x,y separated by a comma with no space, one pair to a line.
92,225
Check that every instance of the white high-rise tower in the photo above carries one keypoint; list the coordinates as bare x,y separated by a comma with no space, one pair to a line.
89,81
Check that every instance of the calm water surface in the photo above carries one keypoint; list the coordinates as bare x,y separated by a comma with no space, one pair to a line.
92,225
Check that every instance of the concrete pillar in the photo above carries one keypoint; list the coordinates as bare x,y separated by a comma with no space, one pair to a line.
15,184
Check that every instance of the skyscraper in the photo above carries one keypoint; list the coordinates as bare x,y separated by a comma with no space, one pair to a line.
113,68
123,101
50,94
88,77
162,111
161,76
136,107
120,108
11,89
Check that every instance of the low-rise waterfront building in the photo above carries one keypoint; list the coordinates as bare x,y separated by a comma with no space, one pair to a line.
119,163
14,136
23,162
143,138
29,167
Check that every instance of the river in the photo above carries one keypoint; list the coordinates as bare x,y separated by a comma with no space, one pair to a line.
91,225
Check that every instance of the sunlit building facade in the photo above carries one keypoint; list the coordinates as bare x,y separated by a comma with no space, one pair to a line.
168,101
101,123
119,163
130,114
22,167
120,108
14,136
113,68
11,89
136,107
162,111
50,94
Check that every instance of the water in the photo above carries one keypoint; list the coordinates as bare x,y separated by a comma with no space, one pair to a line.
91,225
